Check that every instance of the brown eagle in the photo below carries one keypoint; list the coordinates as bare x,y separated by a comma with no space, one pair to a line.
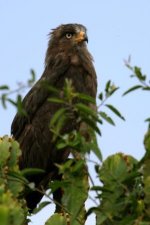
66,57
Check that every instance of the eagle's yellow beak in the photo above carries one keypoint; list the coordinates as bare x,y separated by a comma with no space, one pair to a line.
81,36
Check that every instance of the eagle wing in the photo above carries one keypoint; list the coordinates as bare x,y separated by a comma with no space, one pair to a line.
38,94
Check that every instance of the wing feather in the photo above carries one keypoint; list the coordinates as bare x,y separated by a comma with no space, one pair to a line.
38,94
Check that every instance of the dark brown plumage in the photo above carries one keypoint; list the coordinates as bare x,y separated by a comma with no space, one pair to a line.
67,57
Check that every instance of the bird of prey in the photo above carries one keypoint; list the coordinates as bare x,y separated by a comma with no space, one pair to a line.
67,56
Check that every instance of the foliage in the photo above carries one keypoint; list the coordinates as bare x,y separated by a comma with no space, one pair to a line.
143,82
6,92
12,206
123,189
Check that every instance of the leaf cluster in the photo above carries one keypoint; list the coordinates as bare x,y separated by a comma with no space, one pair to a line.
6,93
12,207
109,91
143,81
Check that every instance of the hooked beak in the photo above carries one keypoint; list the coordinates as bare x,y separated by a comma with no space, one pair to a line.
81,36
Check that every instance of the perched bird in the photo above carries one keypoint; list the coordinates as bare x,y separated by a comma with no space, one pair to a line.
66,57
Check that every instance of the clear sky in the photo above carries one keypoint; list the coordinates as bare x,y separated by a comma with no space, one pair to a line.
116,29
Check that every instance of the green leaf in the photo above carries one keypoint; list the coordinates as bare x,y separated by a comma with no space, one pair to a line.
116,167
31,171
107,118
57,122
4,99
114,110
95,148
87,110
15,185
86,97
61,145
68,89
91,123
146,88
100,218
132,89
107,86
41,206
4,87
76,192
110,88
19,102
147,142
139,74
57,184
20,108
57,116
101,96
113,90
4,152
17,177
32,80
56,100
50,88
56,219
15,154
4,215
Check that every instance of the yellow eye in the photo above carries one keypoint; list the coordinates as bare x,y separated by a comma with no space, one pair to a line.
68,35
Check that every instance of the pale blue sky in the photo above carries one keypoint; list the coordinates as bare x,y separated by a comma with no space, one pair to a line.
116,29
